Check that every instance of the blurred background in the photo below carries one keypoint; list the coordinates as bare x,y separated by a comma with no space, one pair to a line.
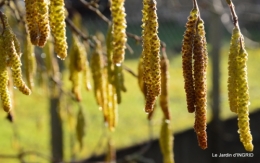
135,138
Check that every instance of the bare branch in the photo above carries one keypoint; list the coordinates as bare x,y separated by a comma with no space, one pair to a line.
130,71
78,32
139,39
233,12
89,6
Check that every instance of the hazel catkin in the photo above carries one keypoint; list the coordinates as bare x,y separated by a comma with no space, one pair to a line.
58,27
37,18
14,58
187,51
166,141
10,57
150,54
29,62
243,99
200,66
118,29
97,66
232,69
5,96
164,99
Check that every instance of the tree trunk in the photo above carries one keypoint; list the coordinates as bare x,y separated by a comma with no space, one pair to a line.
215,36
56,125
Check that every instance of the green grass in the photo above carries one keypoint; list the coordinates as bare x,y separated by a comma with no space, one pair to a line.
31,128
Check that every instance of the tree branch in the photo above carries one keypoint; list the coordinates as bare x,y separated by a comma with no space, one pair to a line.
233,12
130,71
90,7
78,32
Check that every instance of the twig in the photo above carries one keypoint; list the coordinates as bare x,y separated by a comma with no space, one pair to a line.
195,4
3,22
78,32
233,12
130,71
139,39
21,155
89,6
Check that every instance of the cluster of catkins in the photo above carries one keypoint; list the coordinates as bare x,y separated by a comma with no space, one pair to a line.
166,135
79,67
194,64
153,76
104,83
10,57
43,16
238,93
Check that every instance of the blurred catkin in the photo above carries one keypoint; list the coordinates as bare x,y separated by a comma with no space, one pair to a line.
10,57
166,141
164,98
29,62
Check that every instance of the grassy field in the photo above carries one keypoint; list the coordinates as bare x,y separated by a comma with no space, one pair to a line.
30,131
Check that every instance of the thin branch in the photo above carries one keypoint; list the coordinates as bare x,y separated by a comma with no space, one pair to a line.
21,155
139,39
3,22
78,32
130,71
90,7
233,12
195,4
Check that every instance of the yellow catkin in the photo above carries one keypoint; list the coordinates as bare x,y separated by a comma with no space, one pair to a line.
97,66
14,59
86,76
119,30
243,99
4,92
29,62
51,62
80,127
110,65
164,99
140,77
74,77
187,47
166,141
37,18
119,82
200,63
111,103
43,21
232,67
32,20
150,54
58,27
78,67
